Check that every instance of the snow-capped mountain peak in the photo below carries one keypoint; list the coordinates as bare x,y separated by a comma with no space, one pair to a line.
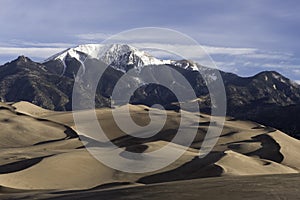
186,64
91,50
119,56
122,57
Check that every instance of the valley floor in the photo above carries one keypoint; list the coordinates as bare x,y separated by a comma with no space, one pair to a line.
222,188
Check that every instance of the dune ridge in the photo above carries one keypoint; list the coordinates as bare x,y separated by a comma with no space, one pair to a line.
40,150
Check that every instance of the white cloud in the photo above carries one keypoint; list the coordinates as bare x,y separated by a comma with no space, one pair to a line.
297,81
268,55
162,42
193,50
41,44
38,50
29,51
178,50
296,68
229,50
237,60
296,71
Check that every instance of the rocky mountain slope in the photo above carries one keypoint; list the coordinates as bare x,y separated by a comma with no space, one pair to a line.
50,84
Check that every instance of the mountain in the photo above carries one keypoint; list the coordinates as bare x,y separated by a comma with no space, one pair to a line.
50,84
119,56
267,88
25,80
267,98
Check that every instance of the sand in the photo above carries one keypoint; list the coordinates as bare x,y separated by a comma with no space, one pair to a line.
42,150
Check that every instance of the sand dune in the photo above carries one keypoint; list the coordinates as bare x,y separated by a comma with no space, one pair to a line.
30,109
40,149
234,163
75,170
19,130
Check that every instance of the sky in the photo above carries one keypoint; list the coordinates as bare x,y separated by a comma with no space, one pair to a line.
243,37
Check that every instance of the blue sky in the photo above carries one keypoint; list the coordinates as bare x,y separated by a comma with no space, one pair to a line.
244,37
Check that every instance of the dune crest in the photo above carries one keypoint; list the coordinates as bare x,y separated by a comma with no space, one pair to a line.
41,149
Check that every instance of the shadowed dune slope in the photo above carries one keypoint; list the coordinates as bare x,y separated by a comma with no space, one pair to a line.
40,149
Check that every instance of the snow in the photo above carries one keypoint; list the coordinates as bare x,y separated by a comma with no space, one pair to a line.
194,67
186,64
117,56
278,77
266,78
295,83
213,77
92,50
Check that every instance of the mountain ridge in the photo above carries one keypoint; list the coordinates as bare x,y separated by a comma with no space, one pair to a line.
50,84
123,54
